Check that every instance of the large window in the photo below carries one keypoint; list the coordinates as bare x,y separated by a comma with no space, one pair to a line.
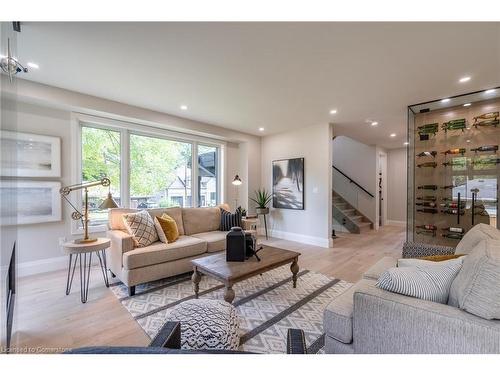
100,158
207,175
160,172
147,169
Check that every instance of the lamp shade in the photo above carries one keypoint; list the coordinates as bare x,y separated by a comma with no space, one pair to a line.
109,202
237,180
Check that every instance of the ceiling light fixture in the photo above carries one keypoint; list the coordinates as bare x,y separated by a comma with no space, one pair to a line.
406,143
490,91
33,65
464,79
184,107
374,123
333,111
261,129
467,104
10,65
393,135
446,100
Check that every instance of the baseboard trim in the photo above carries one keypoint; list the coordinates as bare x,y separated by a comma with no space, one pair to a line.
36,267
297,237
396,222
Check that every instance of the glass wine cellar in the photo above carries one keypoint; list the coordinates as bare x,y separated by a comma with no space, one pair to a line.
453,166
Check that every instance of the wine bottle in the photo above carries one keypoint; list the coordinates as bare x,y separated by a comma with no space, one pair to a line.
492,122
486,116
452,211
454,229
428,128
455,163
453,236
459,124
426,226
427,153
428,210
454,151
486,161
492,148
452,205
448,187
426,204
429,164
427,187
427,198
427,232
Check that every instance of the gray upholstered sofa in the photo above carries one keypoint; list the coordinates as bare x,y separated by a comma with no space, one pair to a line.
366,319
199,236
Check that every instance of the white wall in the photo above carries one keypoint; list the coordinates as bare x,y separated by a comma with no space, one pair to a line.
396,186
311,225
359,162
47,110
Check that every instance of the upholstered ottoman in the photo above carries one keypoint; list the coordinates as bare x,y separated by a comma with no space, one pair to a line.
207,324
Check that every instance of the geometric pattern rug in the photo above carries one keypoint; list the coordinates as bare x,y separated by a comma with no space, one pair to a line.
267,305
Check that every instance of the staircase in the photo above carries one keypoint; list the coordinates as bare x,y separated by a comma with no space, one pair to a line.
348,216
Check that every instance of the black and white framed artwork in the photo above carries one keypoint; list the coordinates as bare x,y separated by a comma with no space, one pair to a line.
288,184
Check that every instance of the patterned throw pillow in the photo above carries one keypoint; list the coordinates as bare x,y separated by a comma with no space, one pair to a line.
425,280
229,220
166,228
142,227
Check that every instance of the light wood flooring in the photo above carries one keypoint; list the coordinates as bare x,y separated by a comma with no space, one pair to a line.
45,317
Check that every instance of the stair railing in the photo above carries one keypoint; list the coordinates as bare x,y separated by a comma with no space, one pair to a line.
353,182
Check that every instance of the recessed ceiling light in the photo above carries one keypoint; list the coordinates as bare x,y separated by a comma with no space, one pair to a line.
374,123
445,100
464,79
333,111
467,104
406,143
184,107
490,91
393,135
468,141
33,65
261,129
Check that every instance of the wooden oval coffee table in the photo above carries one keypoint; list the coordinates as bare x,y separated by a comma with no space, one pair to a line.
231,273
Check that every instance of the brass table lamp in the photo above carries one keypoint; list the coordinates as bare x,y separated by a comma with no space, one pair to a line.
84,217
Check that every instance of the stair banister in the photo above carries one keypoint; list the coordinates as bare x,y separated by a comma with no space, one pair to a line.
353,182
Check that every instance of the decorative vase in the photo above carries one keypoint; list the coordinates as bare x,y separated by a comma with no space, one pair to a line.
262,210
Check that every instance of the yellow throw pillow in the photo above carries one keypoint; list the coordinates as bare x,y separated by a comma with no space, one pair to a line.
169,227
441,258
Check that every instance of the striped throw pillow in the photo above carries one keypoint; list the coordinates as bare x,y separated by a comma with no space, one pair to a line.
229,220
426,280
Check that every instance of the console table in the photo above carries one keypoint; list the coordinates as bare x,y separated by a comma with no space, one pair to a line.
82,252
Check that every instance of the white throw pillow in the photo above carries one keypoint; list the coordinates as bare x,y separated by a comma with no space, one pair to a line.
142,227
430,282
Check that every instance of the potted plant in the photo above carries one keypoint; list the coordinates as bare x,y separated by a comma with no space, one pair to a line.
243,211
262,199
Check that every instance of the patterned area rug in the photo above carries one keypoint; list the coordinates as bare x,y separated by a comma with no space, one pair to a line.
267,305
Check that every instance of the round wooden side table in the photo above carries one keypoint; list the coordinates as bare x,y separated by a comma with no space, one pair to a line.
82,252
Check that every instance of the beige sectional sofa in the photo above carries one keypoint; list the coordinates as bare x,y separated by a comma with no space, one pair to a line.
199,236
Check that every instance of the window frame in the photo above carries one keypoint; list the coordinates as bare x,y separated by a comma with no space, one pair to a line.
126,129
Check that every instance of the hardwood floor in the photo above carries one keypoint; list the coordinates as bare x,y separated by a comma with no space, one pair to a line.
46,318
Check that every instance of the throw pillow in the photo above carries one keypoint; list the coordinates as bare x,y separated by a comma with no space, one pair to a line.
411,262
478,233
168,227
142,228
441,258
476,289
430,282
229,220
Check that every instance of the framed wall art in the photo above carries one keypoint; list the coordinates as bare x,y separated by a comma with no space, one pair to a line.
288,184
29,202
29,155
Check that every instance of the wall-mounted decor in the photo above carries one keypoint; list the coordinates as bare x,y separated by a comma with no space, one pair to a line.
30,202
29,155
288,184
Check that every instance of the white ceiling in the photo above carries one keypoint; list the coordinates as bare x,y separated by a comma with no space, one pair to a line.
278,76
